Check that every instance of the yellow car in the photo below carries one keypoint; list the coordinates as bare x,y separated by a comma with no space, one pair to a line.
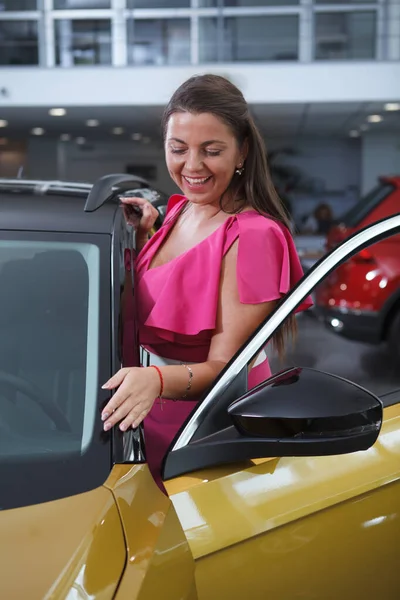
288,491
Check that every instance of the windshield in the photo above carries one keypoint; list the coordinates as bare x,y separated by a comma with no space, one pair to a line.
50,304
365,205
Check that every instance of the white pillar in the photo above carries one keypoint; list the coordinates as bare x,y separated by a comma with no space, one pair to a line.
119,34
393,30
65,41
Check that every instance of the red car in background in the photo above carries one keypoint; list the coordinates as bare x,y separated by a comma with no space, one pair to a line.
361,298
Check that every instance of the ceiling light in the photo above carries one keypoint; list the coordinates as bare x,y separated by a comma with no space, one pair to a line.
136,136
92,123
364,127
57,112
37,131
3,141
354,133
118,130
80,140
392,106
3,123
65,137
374,119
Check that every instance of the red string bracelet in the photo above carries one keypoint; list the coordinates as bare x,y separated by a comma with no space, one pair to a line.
161,379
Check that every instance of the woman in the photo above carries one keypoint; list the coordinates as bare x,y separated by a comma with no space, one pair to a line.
212,273
321,221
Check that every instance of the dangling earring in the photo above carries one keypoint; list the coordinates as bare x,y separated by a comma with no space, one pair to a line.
239,169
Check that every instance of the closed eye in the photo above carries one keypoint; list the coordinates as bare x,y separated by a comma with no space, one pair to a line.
177,150
213,152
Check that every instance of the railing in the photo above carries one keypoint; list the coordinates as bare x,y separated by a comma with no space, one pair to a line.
167,32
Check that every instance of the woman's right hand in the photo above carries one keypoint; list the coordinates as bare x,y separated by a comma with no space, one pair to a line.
144,222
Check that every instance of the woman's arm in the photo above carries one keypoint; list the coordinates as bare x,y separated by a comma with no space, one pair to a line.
139,387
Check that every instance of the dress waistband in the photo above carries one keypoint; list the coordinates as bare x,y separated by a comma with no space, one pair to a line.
148,359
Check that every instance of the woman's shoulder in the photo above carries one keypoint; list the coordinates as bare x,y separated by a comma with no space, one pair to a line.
253,225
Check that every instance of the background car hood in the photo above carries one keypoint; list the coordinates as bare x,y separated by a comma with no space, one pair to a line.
51,549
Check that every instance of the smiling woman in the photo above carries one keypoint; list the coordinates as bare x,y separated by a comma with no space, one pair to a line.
212,273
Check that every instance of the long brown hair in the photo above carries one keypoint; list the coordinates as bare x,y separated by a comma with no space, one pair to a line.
216,95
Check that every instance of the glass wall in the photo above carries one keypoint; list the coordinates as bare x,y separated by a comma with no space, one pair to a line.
74,4
17,5
158,41
249,39
158,3
19,44
345,36
74,33
83,42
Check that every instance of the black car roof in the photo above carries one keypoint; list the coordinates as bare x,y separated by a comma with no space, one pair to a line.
63,206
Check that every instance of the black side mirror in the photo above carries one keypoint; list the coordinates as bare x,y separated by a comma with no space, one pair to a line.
308,412
298,412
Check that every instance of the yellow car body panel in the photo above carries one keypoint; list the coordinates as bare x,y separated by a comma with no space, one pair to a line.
159,562
254,524
68,548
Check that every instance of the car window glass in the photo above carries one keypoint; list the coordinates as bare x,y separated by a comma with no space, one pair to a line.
49,314
349,332
365,205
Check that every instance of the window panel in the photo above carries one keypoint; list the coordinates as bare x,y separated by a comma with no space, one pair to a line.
253,3
159,41
246,3
76,4
83,42
19,43
345,1
17,5
244,39
345,36
158,3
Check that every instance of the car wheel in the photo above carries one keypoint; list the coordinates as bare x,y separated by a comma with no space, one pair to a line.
394,337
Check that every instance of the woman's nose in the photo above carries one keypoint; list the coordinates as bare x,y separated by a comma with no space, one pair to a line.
193,161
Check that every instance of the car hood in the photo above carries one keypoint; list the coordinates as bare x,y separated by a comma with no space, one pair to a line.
49,550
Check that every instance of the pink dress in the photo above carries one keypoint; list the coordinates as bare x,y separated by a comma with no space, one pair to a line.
177,302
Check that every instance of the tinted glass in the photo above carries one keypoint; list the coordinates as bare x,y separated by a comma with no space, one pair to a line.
49,365
345,35
19,43
250,3
17,5
249,38
72,4
159,41
83,42
158,3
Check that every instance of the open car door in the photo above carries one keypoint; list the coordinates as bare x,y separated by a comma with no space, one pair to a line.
292,490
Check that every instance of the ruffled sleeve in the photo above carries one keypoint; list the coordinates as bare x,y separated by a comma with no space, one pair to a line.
268,265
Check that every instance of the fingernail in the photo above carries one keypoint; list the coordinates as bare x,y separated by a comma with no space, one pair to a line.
134,425
105,386
104,416
122,426
107,426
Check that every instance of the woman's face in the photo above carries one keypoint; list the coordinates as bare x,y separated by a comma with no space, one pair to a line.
202,155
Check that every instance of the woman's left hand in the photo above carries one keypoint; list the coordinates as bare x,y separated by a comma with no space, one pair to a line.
138,389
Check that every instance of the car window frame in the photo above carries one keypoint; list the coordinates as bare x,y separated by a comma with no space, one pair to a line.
25,485
371,234
128,447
